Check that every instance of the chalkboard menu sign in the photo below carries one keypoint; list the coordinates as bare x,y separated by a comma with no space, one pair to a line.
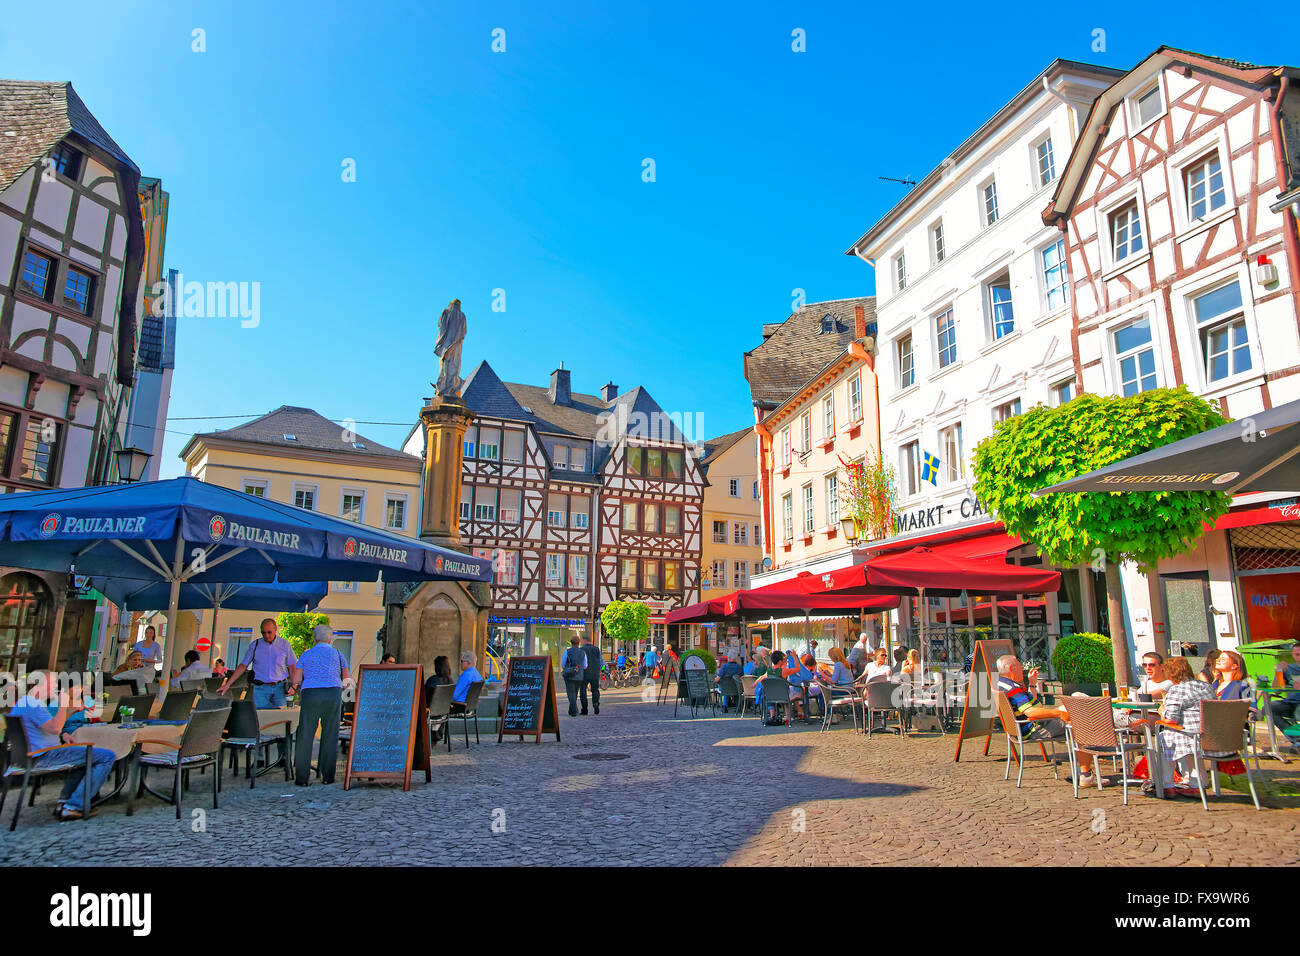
981,707
529,709
697,685
390,727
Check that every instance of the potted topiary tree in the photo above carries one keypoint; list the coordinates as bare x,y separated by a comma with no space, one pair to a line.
1084,663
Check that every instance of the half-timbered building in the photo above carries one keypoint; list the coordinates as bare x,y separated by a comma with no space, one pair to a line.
1184,271
579,500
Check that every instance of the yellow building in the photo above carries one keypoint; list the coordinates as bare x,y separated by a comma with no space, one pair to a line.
295,456
732,548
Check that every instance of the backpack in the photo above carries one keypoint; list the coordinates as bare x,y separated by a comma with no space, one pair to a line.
570,670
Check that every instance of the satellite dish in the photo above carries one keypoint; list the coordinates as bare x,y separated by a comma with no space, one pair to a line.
767,564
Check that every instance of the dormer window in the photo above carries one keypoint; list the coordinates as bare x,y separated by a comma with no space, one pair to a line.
359,446
1146,105
828,324
290,437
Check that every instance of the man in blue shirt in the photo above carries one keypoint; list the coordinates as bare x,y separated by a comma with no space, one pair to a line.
651,661
271,660
728,668
44,723
468,675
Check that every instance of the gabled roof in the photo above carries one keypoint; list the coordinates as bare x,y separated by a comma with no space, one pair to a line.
487,395
1097,122
311,431
716,447
34,117
797,349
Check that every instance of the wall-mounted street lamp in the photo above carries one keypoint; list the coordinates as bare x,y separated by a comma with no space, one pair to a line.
131,463
849,526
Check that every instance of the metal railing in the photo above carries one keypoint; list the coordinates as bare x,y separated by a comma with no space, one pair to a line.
949,645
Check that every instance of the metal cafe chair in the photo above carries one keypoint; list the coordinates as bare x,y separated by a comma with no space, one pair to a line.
748,692
439,708
177,705
1223,736
1091,730
830,700
776,693
138,705
22,761
883,697
244,732
1016,739
200,746
469,713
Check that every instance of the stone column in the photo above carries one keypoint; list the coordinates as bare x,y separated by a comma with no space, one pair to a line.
444,423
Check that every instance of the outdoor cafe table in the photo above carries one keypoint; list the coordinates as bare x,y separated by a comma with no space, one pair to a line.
1149,711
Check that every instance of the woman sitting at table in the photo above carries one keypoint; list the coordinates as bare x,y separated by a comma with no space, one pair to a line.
1209,671
1182,706
912,666
879,669
841,674
1231,682
131,670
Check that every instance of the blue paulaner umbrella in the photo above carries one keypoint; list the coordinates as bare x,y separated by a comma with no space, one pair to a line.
185,531
132,595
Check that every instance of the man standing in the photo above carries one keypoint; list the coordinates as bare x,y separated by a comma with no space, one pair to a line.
860,654
270,658
573,668
43,712
591,676
651,659
150,650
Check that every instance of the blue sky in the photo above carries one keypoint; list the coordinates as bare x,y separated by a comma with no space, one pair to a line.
522,171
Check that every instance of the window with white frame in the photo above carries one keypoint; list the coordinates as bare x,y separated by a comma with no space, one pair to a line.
1055,282
489,444
954,464
805,432
832,500
1125,232
855,398
557,509
900,272
758,535
256,487
579,511
395,512
353,506
945,334
808,508
997,303
937,250
304,497
733,487
828,417
512,448
989,196
471,442
1063,391
906,362
347,587
506,566
555,569
909,468
672,519
578,571
719,572
787,517
1135,357
719,532
1205,189
466,502
740,532
1146,104
740,575
510,505
785,445
560,457
755,489
577,458
1221,323
1006,410
485,504
1045,162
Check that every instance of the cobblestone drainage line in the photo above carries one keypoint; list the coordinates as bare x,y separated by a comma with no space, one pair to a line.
601,756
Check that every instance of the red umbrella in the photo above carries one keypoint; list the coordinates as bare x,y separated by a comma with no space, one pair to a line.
790,598
703,613
923,570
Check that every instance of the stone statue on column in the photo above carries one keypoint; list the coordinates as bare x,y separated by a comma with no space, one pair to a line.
451,335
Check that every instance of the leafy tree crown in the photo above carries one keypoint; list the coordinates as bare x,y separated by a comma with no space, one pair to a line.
1045,446
296,628
626,621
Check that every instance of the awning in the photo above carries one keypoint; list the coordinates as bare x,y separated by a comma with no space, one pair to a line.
705,611
788,599
936,574
984,612
982,548
1249,516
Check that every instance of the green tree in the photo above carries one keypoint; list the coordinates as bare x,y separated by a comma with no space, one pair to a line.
296,628
1045,446
626,621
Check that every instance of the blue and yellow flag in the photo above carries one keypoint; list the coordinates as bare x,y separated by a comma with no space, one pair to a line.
929,468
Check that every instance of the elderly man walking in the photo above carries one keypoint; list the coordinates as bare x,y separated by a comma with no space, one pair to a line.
270,659
321,672
590,676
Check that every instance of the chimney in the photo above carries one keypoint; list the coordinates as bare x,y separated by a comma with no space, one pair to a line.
609,392
560,387
859,322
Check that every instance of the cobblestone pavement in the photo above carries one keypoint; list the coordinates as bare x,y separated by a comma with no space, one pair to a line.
705,791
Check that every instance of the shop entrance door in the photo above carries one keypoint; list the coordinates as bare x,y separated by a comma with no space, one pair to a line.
1187,611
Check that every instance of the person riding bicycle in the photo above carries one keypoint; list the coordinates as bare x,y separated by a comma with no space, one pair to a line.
621,660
